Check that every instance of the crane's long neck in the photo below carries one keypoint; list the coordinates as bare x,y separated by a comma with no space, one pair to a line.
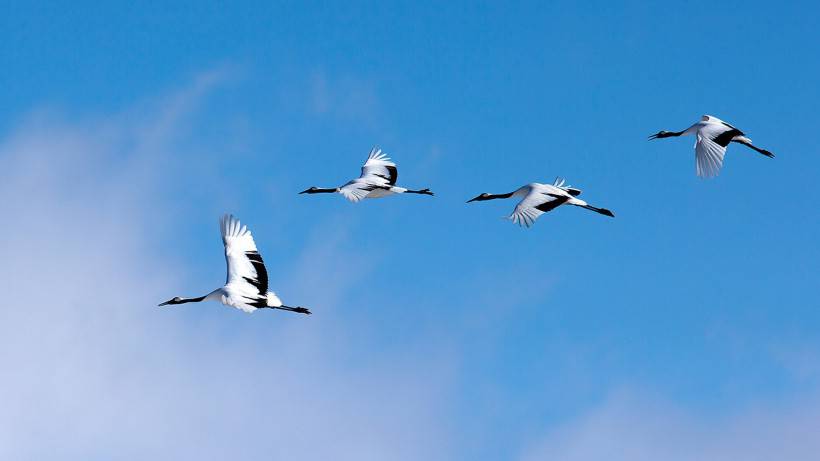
495,196
670,134
691,130
179,300
191,300
214,295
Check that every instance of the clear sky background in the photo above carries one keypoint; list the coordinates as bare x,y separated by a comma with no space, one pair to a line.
685,328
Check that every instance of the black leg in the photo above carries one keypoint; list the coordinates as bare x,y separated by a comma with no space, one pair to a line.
300,310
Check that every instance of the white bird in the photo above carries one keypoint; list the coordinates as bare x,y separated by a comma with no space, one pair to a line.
537,199
378,179
246,287
713,136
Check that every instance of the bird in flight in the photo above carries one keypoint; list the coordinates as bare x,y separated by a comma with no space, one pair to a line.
713,136
246,287
378,179
537,199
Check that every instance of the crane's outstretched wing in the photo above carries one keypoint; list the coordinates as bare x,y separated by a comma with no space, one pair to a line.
378,172
708,157
247,281
710,147
358,188
379,168
533,205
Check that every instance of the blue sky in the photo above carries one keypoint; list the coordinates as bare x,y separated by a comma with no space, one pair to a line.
440,330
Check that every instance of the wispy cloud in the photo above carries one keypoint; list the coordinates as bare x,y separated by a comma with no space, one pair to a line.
636,427
346,98
343,97
93,369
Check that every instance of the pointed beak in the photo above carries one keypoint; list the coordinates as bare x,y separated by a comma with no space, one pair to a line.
305,191
473,199
164,304
654,136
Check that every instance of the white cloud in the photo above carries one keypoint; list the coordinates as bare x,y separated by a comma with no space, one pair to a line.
345,97
93,369
634,427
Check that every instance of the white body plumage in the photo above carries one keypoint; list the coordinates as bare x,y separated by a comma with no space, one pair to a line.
537,199
377,179
246,285
713,136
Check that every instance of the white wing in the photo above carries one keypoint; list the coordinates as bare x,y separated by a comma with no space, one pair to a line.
378,172
247,282
359,188
708,153
534,204
379,169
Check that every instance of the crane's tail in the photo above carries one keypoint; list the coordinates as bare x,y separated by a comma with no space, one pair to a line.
275,303
273,300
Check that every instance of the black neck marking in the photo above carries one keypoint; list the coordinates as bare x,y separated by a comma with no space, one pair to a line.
319,190
188,300
665,134
495,196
